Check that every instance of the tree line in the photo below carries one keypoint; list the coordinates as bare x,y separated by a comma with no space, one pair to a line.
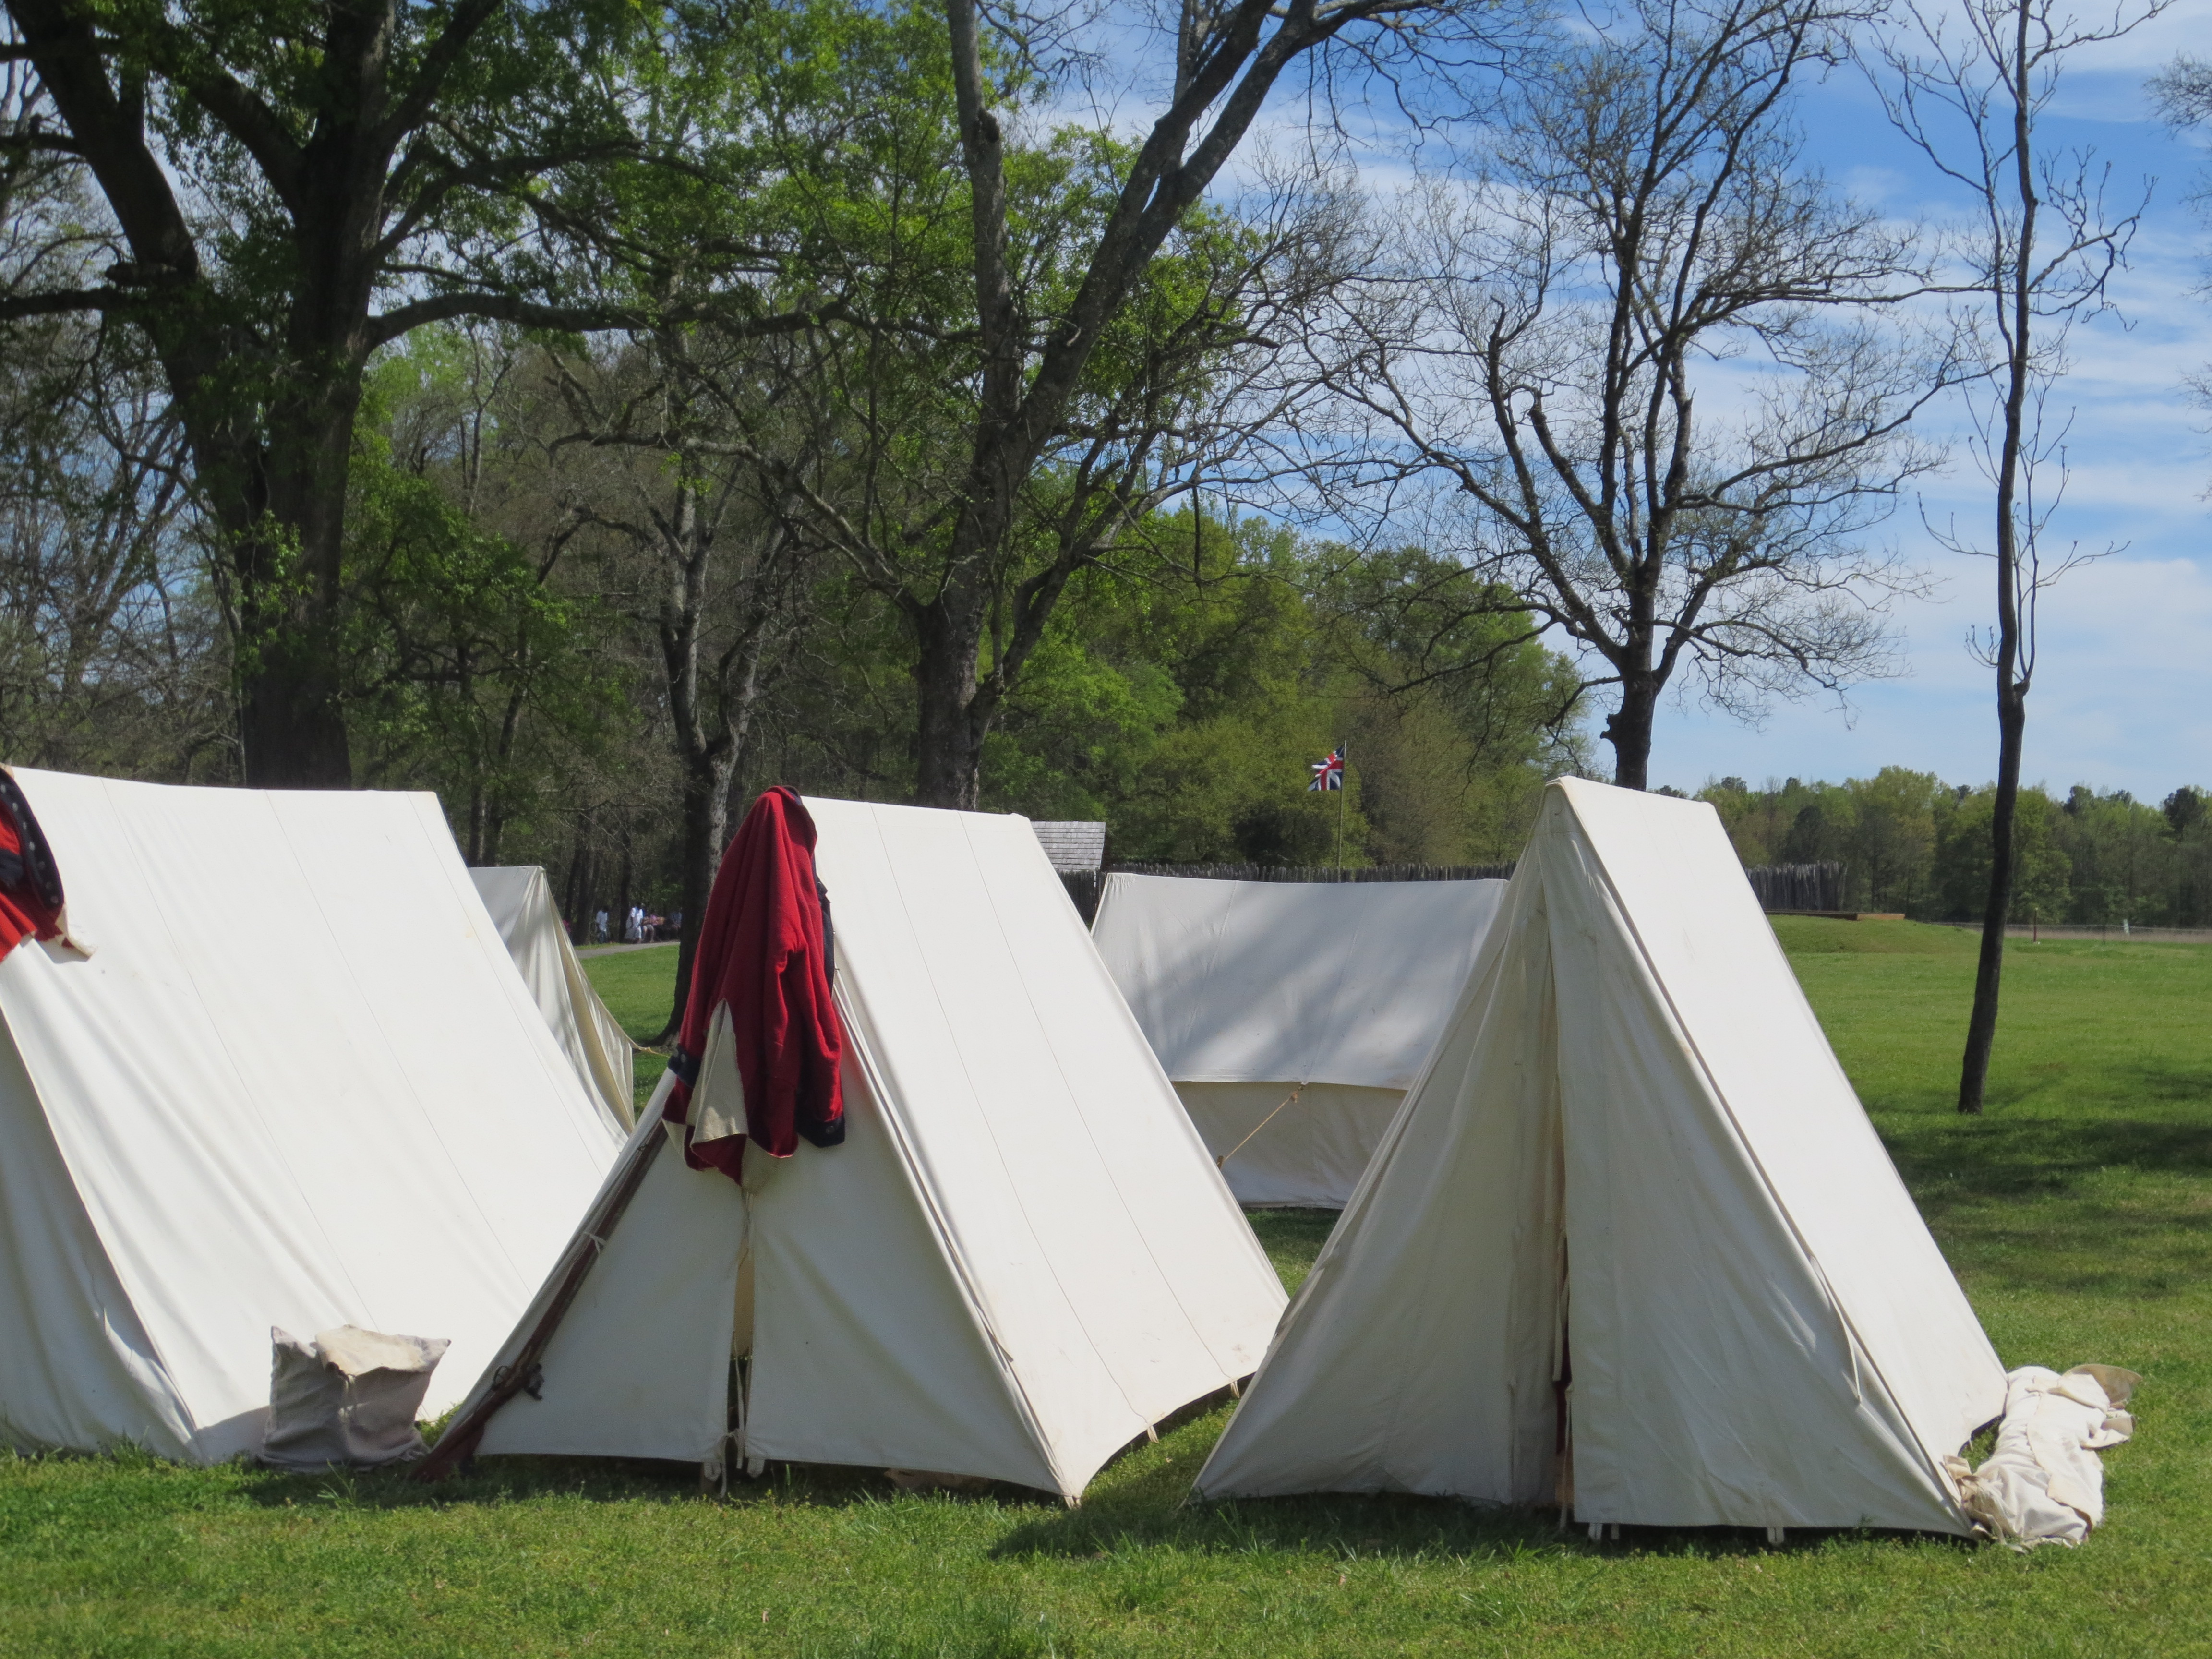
1914,845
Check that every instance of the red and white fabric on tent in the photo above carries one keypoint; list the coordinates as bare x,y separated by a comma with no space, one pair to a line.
1018,1258
761,1038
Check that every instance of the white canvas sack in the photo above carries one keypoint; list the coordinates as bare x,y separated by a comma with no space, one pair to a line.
2044,1483
348,1397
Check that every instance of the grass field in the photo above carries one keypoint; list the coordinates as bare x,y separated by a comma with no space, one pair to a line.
638,987
2078,1214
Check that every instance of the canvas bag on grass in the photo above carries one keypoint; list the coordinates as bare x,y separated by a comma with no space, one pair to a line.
347,1398
2044,1482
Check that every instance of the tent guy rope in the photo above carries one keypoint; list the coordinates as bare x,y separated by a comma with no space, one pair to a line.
1261,1125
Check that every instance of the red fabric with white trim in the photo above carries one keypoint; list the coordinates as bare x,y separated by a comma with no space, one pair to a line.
24,913
763,951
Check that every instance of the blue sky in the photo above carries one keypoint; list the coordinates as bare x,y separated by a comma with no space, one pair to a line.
2123,697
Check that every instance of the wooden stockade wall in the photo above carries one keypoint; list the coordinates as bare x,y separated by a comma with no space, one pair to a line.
1779,886
1797,886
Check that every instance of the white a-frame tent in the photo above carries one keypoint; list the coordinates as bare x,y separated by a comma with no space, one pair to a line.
297,1082
520,900
1290,1015
1018,1260
1631,1181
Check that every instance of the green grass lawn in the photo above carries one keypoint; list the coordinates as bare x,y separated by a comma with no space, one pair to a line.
2077,1214
638,987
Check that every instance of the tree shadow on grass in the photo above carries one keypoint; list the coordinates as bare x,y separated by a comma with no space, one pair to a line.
1979,1180
500,1481
494,1480
2111,1202
1347,1526
1965,1160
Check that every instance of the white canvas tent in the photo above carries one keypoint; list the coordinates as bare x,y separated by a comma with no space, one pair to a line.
297,1082
1253,992
1018,1260
520,900
1633,1165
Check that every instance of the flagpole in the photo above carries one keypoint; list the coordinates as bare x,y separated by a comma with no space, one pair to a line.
1343,785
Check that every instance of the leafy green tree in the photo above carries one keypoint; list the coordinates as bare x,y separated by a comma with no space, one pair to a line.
1961,870
470,661
2189,820
294,186
1893,836
713,434
1200,646
1184,691
1099,315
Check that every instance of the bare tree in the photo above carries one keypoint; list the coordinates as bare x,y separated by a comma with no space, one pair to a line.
2184,91
1545,342
724,576
1968,87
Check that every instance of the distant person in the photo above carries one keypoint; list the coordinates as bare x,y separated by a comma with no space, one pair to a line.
600,926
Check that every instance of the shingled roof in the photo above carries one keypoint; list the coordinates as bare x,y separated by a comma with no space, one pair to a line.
1072,844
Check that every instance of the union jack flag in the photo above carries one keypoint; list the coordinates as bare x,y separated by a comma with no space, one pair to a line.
1328,774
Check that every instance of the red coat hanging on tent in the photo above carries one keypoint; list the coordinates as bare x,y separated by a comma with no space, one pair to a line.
30,886
765,954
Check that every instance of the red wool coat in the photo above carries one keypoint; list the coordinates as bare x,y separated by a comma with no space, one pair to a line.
764,952
30,886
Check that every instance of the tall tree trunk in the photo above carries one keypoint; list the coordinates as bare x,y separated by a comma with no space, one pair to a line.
2018,296
573,896
706,832
281,510
949,730
711,715
1628,728
619,925
1989,968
